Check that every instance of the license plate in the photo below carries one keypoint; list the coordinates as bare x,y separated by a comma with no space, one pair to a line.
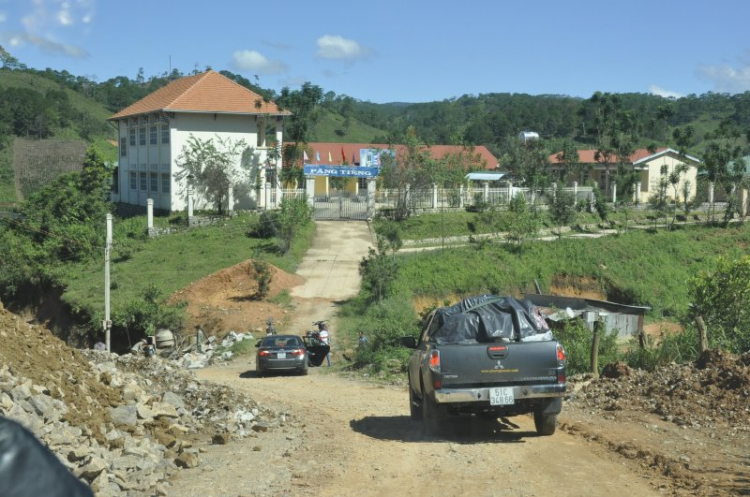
501,396
281,355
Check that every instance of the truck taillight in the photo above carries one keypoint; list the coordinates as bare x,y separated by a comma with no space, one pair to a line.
560,353
435,361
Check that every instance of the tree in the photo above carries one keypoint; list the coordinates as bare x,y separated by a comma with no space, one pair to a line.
379,270
570,163
722,161
304,105
720,297
213,167
414,169
294,214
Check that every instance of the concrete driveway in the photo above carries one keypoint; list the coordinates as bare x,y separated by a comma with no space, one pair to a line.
331,265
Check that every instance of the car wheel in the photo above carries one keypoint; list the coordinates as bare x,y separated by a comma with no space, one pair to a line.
415,407
545,423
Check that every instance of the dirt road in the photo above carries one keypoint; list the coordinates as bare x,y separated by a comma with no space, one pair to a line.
347,437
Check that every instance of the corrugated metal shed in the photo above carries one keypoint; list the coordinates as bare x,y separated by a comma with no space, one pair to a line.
626,319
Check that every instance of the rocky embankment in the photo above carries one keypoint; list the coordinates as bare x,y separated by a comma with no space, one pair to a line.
123,424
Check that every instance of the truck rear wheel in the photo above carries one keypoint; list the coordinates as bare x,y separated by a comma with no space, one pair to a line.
545,423
415,408
431,416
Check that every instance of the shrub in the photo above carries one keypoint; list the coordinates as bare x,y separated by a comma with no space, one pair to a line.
262,276
577,340
675,347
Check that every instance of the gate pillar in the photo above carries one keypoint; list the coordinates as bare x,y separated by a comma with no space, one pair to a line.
310,190
370,198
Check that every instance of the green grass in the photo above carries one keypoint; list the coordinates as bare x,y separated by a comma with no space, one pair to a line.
173,262
434,225
638,267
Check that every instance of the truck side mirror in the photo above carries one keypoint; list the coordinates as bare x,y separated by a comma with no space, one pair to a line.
408,342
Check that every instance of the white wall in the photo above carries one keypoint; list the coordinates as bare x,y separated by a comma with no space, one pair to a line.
162,158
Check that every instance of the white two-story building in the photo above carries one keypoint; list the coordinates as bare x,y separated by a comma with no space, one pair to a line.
153,131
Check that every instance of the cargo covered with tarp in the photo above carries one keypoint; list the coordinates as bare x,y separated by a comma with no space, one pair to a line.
489,318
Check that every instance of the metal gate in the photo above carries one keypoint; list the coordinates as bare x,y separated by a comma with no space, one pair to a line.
340,205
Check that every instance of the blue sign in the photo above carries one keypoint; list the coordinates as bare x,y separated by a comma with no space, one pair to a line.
341,171
371,157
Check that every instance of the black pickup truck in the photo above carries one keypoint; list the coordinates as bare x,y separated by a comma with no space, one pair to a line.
486,356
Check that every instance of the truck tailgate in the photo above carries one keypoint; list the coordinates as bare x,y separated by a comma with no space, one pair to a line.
498,364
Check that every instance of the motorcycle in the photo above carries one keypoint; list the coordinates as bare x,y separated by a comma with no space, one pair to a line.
317,345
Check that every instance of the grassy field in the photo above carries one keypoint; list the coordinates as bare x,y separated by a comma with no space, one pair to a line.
173,262
460,222
638,267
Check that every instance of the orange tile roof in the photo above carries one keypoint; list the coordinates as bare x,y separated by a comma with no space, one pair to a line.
208,92
588,156
351,151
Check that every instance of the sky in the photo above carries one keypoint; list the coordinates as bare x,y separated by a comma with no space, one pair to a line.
398,51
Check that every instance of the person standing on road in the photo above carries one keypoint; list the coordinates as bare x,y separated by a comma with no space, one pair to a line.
325,338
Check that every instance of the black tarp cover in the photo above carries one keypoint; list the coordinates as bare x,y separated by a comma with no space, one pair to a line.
487,318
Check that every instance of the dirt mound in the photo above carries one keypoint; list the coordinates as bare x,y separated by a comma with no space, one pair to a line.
712,392
33,352
226,300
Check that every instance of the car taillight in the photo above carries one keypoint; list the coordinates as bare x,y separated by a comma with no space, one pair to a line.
560,377
296,352
263,353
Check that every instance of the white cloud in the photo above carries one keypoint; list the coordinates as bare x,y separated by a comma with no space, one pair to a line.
658,90
727,79
339,48
18,39
252,61
3,17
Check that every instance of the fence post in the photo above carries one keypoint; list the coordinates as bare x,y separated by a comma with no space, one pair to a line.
461,194
554,192
711,200
486,191
595,349
434,196
268,196
310,190
190,204
743,203
510,191
150,213
614,192
230,200
702,335
371,185
637,193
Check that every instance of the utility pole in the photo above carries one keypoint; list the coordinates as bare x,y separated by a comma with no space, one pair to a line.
107,323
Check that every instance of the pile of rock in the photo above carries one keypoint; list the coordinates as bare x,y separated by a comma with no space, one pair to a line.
122,424
711,393
212,352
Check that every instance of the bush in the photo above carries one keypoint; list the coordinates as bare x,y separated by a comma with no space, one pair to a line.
676,347
262,276
577,340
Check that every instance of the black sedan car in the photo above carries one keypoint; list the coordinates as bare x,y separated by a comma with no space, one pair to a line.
281,353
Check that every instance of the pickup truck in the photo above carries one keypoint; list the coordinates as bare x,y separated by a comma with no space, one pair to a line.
489,357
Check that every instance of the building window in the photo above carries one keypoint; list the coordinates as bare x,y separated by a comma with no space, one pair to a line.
165,183
116,180
132,137
154,182
123,147
133,180
165,133
142,135
143,179
152,135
